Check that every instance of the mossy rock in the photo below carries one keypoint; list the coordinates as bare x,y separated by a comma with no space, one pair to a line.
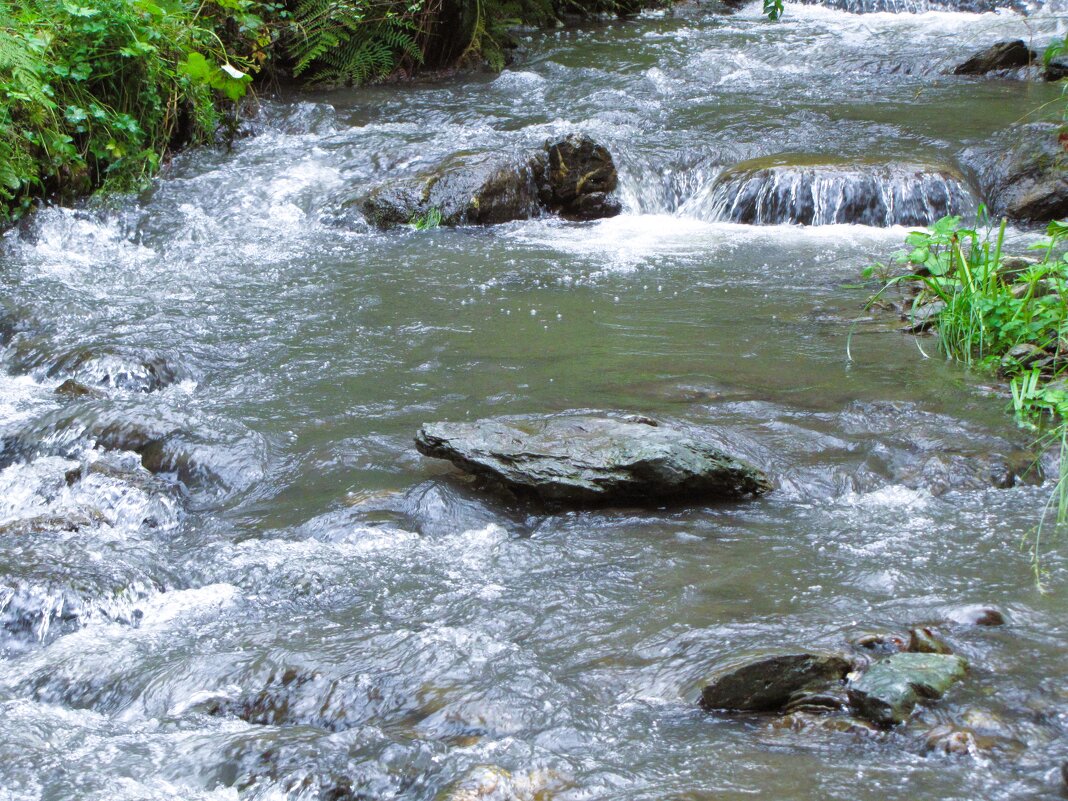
888,691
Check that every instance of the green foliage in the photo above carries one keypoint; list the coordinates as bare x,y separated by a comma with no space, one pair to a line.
428,221
773,9
355,41
96,94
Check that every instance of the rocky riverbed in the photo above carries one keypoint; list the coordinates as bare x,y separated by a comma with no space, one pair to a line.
229,573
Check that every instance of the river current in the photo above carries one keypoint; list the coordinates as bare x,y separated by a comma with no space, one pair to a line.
391,628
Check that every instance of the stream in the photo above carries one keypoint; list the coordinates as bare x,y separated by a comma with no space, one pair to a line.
388,627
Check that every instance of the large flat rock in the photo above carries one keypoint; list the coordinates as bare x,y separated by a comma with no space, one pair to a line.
591,459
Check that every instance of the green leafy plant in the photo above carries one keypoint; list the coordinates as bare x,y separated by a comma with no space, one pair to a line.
428,221
773,9
97,94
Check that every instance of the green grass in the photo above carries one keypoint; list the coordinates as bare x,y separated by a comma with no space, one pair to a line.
998,313
428,221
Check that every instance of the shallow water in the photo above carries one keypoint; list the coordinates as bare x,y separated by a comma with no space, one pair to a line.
284,355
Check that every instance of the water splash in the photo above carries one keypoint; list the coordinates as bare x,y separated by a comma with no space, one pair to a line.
763,193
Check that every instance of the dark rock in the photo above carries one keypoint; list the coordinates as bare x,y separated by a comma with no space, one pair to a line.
769,683
581,174
880,642
74,389
1001,56
587,459
1023,355
923,640
1023,173
1056,69
573,177
1064,773
890,689
473,189
977,615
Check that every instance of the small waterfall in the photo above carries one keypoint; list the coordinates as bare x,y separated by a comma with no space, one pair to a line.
763,193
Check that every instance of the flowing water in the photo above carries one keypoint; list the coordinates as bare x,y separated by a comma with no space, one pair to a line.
380,625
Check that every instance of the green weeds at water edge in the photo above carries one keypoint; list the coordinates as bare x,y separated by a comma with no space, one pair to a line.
998,313
428,221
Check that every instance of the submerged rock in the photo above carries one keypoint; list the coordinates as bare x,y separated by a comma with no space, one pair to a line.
816,190
587,459
770,683
888,691
1000,56
573,176
951,739
74,389
491,783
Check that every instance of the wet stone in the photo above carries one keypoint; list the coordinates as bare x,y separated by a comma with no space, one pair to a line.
890,689
1023,173
770,683
976,615
923,640
956,740
573,177
1001,56
880,642
837,724
586,459
1056,69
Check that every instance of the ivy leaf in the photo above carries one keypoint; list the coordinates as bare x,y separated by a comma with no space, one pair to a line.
80,11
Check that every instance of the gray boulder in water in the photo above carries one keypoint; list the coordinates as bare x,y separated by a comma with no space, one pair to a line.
769,683
591,459
1023,173
476,189
573,177
1001,56
818,190
888,691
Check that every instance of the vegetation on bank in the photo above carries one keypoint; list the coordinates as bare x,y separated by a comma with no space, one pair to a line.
97,93
1007,314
